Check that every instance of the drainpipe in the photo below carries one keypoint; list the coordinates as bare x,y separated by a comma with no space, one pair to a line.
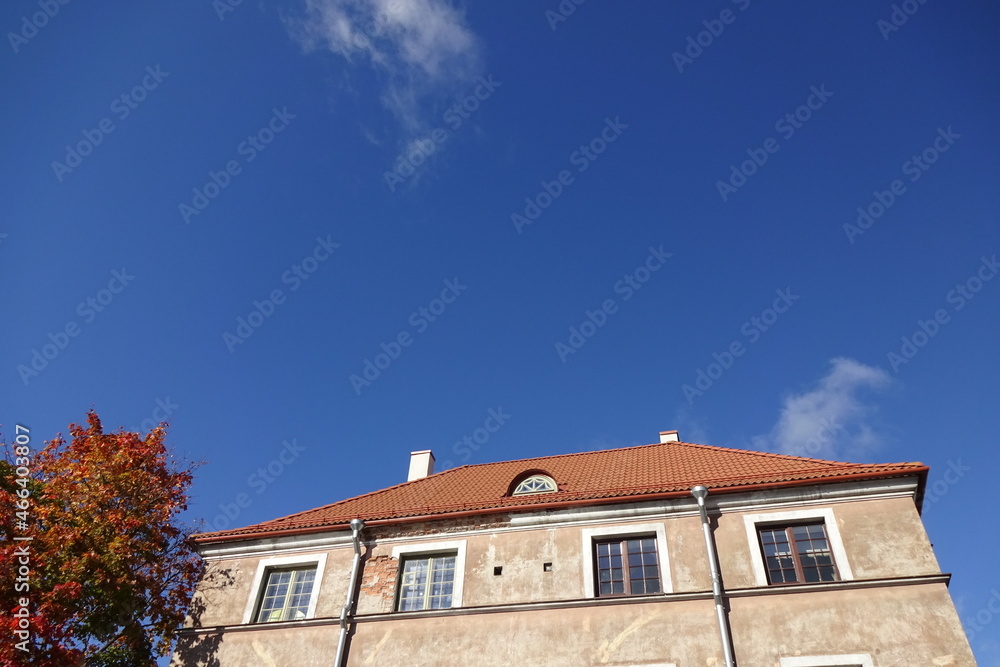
699,492
357,525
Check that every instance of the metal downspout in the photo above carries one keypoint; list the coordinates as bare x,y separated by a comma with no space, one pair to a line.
700,492
357,525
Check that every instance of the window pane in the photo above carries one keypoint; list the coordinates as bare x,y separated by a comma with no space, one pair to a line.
799,553
535,484
286,595
427,583
635,572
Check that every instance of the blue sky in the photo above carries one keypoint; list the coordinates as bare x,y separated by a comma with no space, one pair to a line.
318,234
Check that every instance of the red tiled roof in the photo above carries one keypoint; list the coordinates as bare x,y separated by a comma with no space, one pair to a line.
612,475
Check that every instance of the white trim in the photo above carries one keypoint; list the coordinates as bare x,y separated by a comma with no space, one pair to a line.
626,509
751,521
863,659
319,560
458,546
276,545
587,536
550,485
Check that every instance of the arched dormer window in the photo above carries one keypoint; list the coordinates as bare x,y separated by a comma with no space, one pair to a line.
535,484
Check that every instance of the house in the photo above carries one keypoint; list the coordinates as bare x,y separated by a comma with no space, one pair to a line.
669,554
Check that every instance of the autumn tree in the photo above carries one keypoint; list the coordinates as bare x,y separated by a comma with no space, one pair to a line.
111,569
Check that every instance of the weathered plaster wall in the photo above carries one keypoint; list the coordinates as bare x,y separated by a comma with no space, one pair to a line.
883,538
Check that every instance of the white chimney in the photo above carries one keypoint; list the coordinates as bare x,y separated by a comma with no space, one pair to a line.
421,464
669,436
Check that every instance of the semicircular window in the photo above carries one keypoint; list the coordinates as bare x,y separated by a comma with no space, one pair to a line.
535,484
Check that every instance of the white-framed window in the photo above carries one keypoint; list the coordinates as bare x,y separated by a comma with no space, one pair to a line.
285,589
852,660
630,559
431,575
426,582
535,484
795,546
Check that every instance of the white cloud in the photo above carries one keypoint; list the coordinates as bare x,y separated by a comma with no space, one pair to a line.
421,50
829,420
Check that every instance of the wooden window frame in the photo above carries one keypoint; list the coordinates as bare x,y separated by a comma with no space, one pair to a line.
798,568
622,541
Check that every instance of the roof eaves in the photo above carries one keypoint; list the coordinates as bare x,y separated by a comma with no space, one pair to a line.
457,511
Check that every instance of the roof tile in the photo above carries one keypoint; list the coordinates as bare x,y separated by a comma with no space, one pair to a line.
626,473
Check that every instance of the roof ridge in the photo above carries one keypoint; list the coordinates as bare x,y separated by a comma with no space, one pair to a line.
813,466
640,487
673,443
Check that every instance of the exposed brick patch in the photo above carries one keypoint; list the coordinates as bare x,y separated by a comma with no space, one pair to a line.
379,579
381,573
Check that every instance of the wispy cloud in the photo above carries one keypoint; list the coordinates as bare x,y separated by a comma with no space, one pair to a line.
830,420
422,51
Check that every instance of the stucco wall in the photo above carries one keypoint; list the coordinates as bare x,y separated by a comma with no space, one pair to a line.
882,538
224,592
899,627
